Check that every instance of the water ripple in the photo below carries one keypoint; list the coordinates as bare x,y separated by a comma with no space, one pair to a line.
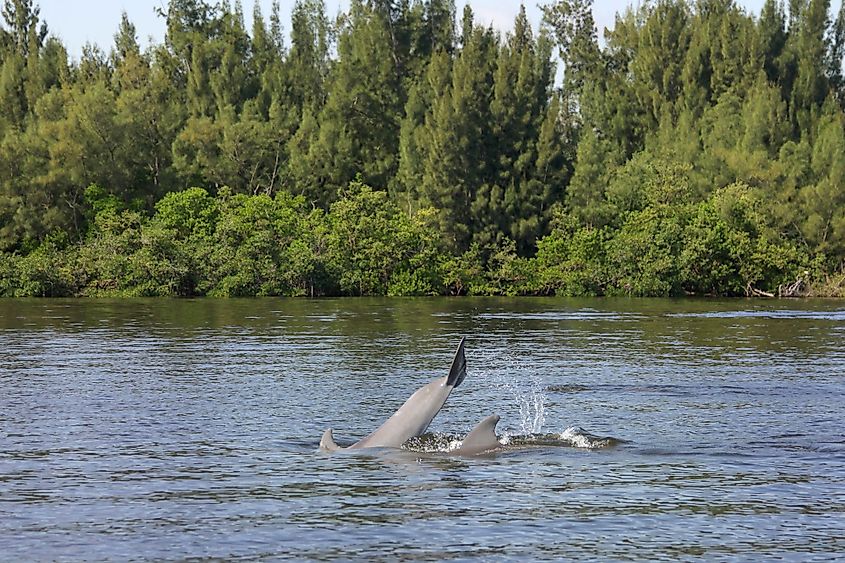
651,430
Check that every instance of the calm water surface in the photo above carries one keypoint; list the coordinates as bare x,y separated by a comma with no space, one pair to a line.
172,430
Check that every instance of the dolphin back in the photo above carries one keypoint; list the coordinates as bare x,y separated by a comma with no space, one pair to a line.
482,438
327,442
458,371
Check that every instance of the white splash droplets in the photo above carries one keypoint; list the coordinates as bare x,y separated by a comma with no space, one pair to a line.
525,388
577,437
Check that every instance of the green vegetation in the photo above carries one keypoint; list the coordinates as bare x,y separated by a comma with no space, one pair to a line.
402,149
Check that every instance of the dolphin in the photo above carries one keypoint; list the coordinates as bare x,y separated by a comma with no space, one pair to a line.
414,416
482,438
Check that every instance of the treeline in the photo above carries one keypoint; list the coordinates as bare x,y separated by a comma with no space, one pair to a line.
401,149
245,245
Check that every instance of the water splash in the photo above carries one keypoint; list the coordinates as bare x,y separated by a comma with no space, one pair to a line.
572,437
526,390
579,438
433,443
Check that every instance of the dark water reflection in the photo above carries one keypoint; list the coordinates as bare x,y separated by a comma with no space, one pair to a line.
161,429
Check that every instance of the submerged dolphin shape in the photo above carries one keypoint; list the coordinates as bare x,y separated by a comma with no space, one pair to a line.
414,416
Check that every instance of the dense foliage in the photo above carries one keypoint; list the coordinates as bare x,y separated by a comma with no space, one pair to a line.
402,149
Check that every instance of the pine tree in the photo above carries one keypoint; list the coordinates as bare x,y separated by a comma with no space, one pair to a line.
359,125
658,63
772,31
26,33
575,31
298,94
440,25
307,65
415,133
836,56
513,202
22,80
267,52
823,202
808,47
149,109
229,77
585,196
459,155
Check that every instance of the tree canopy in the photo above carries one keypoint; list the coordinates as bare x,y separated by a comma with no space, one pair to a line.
401,148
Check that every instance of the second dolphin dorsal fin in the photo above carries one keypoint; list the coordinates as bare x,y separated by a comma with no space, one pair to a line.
458,371
327,442
482,438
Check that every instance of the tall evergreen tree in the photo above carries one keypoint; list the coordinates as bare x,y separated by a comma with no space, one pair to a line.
808,47
836,56
513,202
359,125
308,63
148,108
772,31
21,78
415,133
575,31
459,157
823,202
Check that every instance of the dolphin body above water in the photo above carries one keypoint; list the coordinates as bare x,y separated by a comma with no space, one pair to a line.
414,416
482,438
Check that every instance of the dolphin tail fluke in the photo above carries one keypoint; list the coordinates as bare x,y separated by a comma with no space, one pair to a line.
482,438
327,442
458,371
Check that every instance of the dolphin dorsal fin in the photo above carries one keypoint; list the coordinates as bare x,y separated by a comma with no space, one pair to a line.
458,371
482,438
327,441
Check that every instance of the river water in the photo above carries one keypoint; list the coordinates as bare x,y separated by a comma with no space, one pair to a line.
634,429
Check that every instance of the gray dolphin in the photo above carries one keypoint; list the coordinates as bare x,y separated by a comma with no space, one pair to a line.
482,438
414,416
